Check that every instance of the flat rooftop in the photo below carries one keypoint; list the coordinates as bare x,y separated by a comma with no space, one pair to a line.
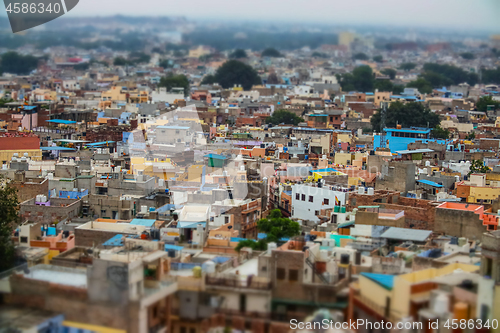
60,275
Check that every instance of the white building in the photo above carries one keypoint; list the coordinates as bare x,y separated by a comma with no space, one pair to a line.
308,200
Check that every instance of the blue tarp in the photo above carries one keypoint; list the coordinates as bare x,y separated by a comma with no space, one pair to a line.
385,280
61,121
51,231
143,222
173,247
73,194
29,107
428,182
114,241
99,143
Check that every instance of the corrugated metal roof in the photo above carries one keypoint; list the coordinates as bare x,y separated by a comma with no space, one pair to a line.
407,234
385,280
428,182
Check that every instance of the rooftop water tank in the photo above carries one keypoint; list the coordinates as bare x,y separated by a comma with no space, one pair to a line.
197,272
208,267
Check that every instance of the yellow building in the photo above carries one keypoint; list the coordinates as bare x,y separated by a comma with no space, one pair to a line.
346,38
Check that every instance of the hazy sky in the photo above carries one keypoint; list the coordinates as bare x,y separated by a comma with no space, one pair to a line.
466,14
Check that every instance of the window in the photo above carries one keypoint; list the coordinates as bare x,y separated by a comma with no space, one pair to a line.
103,212
310,198
182,329
316,212
177,132
303,197
280,273
326,201
293,275
297,196
226,219
264,268
24,239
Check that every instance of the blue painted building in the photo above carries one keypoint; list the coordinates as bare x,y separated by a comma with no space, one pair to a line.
398,139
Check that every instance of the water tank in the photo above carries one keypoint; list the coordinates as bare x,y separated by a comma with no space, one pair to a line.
161,182
323,255
26,155
197,272
462,241
361,190
427,163
208,267
441,304
336,209
15,154
38,198
271,246
342,209
323,157
324,242
144,209
344,259
44,199
371,191
4,166
171,253
50,175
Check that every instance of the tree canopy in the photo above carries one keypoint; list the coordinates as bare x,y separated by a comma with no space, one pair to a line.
390,72
15,63
209,79
235,72
483,103
440,133
407,66
238,54
175,81
422,85
406,115
277,227
271,52
360,56
445,75
260,245
120,61
361,79
491,75
8,219
477,166
378,58
283,117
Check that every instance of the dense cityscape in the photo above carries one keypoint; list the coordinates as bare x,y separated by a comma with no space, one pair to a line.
160,174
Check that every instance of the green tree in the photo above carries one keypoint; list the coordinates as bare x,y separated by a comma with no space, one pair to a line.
477,166
120,61
271,52
165,63
389,72
360,56
139,58
260,245
378,58
319,55
277,227
471,136
491,75
467,55
283,117
383,85
15,63
235,72
485,101
209,79
448,75
406,115
175,81
363,78
8,220
422,85
440,133
238,54
407,66
397,89
4,100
